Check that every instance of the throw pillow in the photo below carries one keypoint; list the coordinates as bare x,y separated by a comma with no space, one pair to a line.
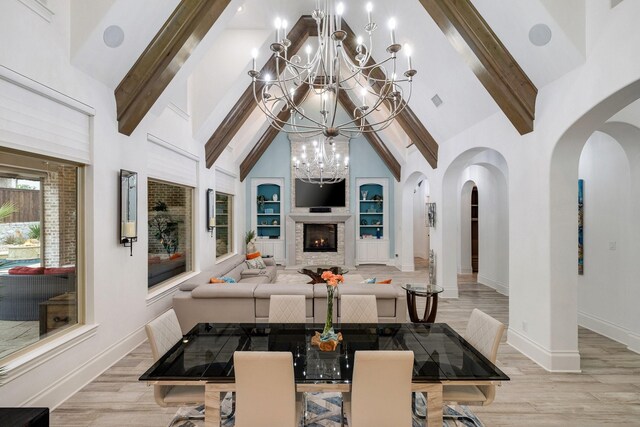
59,271
385,282
228,279
26,271
175,256
257,262
216,280
371,280
253,255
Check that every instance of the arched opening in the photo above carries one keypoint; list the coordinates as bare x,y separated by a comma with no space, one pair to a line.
421,236
487,170
415,233
563,190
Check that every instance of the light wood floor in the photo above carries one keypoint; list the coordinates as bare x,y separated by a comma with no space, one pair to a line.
607,392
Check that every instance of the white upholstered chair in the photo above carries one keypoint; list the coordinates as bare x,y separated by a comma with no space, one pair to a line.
265,389
381,389
163,332
358,309
287,309
484,333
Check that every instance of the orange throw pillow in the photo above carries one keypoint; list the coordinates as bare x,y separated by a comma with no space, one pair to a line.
385,282
253,255
216,280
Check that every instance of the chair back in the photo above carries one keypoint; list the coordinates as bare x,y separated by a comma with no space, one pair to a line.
287,309
163,333
484,333
265,389
381,390
358,309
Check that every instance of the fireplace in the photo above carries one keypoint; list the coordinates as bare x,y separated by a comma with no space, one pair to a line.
320,237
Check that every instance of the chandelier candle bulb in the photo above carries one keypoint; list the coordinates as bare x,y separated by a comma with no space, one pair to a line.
254,56
277,23
407,49
339,12
369,9
392,27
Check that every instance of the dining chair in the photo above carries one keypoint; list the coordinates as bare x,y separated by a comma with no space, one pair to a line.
358,309
287,309
484,334
381,389
265,389
163,333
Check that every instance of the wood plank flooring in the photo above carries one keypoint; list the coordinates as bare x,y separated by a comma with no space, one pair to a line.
606,393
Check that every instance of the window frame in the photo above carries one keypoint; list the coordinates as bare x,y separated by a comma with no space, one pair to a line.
231,250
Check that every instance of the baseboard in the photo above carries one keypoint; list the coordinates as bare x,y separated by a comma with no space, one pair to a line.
59,391
610,330
498,286
556,361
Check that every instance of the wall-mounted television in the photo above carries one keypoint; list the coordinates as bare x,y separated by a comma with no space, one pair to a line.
314,196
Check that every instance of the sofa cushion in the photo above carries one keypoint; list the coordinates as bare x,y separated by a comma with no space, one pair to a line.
224,267
268,289
59,271
255,279
23,271
380,291
236,273
224,290
270,273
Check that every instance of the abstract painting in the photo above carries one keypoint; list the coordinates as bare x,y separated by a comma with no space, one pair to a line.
580,227
431,214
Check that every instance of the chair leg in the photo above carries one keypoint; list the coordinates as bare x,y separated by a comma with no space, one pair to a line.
342,415
415,409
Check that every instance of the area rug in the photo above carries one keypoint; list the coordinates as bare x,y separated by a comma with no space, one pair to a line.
323,410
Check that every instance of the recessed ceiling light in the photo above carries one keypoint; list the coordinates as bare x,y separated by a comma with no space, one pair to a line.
437,101
540,35
113,36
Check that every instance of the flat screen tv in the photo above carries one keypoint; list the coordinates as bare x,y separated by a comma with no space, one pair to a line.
314,196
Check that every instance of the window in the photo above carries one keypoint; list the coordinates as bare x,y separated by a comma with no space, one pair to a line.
170,231
224,224
38,249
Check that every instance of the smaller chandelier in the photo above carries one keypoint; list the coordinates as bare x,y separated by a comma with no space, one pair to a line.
321,166
379,91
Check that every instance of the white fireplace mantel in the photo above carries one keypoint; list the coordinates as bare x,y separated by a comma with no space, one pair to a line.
321,218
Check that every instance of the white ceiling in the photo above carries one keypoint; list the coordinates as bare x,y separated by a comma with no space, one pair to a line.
441,69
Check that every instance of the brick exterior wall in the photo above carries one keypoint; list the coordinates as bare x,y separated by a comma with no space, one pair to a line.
60,225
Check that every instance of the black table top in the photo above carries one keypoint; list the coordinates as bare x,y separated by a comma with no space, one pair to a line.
206,352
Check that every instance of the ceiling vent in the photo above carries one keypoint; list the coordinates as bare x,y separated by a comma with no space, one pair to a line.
437,101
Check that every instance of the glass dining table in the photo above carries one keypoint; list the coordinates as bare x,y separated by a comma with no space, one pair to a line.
205,356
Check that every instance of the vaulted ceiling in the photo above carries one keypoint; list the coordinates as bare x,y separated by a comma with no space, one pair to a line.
206,61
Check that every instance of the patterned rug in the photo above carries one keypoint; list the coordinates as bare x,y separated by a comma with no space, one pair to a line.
323,410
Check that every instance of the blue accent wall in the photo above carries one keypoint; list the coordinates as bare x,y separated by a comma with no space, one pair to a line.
363,163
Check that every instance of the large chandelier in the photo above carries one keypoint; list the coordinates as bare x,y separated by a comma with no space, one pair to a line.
377,91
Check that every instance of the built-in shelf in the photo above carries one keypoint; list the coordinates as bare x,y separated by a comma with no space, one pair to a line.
372,244
269,225
269,236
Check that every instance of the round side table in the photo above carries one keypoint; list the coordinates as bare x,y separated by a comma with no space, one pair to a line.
430,292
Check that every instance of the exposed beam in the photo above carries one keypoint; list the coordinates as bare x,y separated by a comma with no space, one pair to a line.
376,143
489,59
268,136
162,59
407,119
300,32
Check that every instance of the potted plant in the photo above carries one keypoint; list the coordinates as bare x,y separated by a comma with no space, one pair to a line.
249,240
261,200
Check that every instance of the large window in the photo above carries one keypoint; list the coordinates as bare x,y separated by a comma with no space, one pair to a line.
224,224
170,230
38,249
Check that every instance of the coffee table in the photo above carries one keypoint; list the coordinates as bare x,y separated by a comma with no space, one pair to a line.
315,271
430,292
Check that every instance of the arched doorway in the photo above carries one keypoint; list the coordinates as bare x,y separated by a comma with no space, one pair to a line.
412,214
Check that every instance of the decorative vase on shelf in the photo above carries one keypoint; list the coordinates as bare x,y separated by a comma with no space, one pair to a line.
275,197
364,194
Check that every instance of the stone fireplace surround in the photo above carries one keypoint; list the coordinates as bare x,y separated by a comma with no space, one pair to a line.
345,256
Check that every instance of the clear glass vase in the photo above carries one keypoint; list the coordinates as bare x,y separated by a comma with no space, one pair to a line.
328,334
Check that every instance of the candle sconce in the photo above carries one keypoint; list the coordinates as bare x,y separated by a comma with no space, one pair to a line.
211,218
128,208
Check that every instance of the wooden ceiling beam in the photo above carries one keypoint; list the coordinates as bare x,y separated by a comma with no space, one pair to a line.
268,136
489,59
300,32
407,119
162,59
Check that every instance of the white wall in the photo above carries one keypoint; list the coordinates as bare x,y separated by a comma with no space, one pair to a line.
610,250
117,301
420,229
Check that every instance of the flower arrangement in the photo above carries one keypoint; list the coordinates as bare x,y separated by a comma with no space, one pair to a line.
332,279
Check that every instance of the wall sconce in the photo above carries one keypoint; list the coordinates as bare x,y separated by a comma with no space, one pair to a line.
211,217
128,208
431,214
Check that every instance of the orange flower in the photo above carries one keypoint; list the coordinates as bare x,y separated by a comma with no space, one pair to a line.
326,275
339,278
332,282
